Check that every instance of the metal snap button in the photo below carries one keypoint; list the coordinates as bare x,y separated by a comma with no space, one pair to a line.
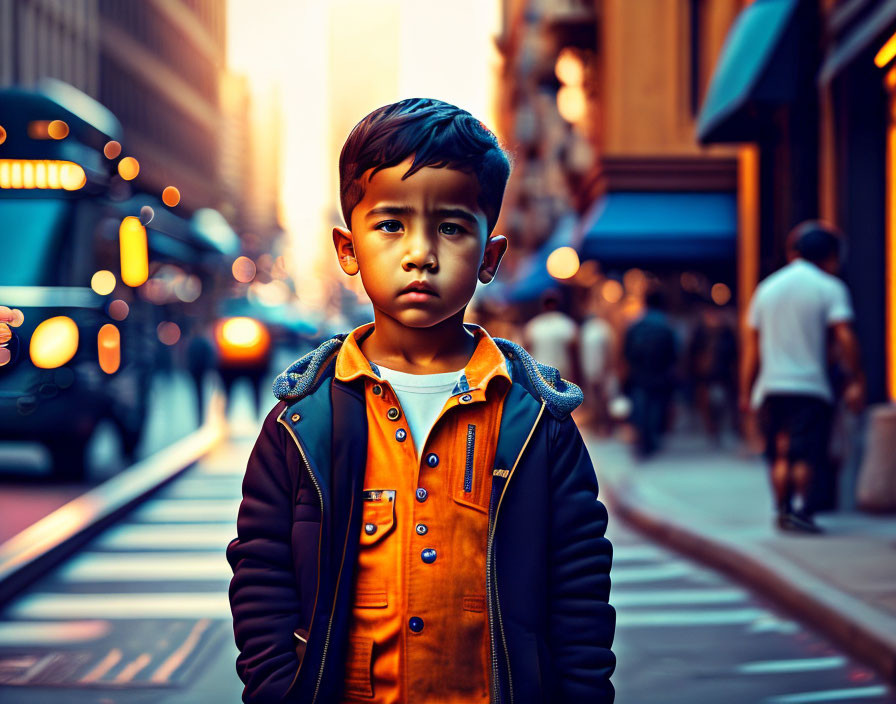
370,528
294,417
422,529
401,434
377,389
466,398
432,459
422,494
393,413
415,623
428,556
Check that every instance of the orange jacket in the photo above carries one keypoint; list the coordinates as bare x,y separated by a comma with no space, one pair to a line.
418,630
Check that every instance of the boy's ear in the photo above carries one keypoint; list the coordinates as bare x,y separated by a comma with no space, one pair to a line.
495,247
345,250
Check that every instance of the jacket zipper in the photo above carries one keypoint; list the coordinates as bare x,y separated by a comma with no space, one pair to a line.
320,495
491,574
468,467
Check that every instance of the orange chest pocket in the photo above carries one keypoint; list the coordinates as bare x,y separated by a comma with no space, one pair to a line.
378,516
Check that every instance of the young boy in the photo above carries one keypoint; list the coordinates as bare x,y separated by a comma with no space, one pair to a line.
420,520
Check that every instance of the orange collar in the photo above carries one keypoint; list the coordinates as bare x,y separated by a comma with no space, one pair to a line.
486,363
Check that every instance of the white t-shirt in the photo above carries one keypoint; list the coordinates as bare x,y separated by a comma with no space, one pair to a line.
792,310
549,335
422,397
596,347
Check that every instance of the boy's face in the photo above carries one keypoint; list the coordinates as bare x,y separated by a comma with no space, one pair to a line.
427,227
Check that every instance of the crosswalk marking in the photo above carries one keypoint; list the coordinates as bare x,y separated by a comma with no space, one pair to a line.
677,597
830,695
766,667
148,566
46,632
687,617
653,573
213,605
112,658
168,536
187,511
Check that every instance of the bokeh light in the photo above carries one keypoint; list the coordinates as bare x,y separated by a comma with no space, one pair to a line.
563,263
103,282
243,269
108,346
118,309
168,332
170,196
128,168
5,333
2,134
569,68
612,291
571,103
721,294
57,129
112,149
54,342
134,252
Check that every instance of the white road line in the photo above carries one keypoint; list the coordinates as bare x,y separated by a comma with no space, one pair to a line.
768,667
676,597
205,487
20,633
633,575
686,617
638,553
168,536
148,566
830,695
123,606
188,511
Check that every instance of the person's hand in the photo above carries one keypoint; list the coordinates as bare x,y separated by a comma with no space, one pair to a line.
854,395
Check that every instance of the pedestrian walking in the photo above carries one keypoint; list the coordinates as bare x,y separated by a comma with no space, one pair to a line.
420,517
651,352
784,370
597,347
553,337
712,369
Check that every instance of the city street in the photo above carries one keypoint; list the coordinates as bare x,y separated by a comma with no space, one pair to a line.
141,615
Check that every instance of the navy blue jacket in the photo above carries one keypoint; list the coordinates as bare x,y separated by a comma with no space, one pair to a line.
548,561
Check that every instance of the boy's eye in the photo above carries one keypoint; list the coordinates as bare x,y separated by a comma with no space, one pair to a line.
450,228
389,226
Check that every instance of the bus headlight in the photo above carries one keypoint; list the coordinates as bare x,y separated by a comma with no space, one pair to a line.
54,342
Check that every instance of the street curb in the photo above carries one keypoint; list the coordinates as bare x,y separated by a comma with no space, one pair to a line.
32,552
866,633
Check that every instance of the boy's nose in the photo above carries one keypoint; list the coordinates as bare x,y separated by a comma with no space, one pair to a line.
420,254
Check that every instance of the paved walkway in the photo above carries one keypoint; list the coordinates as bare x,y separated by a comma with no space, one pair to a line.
716,506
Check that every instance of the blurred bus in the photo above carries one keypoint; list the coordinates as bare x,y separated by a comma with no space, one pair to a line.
76,246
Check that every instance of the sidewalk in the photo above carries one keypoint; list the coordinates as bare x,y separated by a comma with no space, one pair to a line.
717,507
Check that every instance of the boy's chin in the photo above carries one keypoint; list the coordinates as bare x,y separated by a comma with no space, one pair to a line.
421,318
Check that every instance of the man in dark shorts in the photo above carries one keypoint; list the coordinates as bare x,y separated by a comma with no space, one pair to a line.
791,316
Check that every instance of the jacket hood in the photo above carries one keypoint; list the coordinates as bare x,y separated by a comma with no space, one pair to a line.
544,382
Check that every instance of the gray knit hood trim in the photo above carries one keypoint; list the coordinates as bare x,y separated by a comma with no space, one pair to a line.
544,382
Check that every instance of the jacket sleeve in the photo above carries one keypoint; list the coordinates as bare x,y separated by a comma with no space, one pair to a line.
582,622
263,595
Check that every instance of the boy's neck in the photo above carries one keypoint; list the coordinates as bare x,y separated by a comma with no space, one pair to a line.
444,347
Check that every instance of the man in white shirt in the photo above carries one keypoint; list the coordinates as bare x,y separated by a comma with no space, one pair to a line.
789,320
552,337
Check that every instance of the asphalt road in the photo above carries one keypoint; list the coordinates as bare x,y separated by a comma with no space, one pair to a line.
141,615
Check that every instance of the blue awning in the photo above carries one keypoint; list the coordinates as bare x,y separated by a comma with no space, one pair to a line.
757,68
660,228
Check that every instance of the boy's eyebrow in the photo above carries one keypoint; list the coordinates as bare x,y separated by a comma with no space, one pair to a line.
459,213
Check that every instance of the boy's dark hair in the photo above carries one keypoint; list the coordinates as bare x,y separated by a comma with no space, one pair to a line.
438,134
816,241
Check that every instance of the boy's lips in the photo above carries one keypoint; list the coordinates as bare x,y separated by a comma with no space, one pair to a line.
419,288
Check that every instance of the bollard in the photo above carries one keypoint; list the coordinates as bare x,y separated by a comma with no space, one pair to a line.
876,487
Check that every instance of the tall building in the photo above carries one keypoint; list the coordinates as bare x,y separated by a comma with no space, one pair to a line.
155,64
599,99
